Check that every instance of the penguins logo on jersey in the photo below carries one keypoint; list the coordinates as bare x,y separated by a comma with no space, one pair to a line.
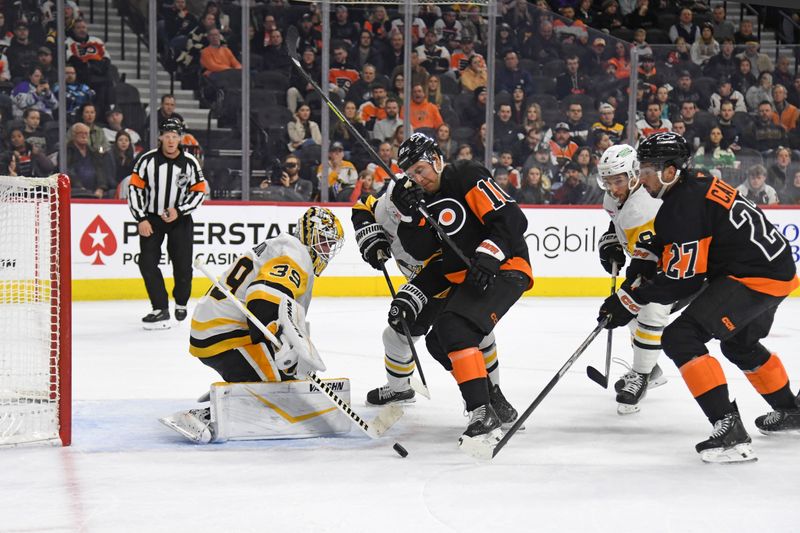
451,215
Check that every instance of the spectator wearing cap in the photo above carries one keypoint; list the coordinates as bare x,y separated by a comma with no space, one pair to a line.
384,128
511,75
424,114
78,93
114,119
448,28
755,187
608,125
595,60
759,62
308,35
342,28
573,190
723,29
767,135
475,75
642,16
342,174
217,57
609,17
724,64
786,114
33,93
705,47
462,55
433,57
21,52
648,73
366,53
89,56
562,147
745,33
759,93
45,60
85,166
652,122
572,81
685,27
302,130
373,109
725,92
686,92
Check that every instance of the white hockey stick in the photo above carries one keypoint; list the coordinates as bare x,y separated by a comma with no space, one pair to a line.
374,429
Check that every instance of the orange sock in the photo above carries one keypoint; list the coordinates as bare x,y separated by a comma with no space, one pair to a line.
702,374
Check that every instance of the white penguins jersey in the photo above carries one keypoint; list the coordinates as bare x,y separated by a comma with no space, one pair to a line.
386,214
278,267
634,218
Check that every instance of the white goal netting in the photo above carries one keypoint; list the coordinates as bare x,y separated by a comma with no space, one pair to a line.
30,310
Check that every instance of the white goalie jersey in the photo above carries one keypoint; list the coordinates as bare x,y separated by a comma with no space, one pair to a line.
634,218
387,215
277,268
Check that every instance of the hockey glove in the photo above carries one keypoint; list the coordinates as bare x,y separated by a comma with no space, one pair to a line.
297,351
484,265
407,305
620,307
611,251
407,197
374,245
641,269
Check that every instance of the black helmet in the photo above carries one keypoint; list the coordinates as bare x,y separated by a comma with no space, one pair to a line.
171,124
664,149
417,147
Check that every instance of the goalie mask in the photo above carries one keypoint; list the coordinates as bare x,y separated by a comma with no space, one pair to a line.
618,171
321,232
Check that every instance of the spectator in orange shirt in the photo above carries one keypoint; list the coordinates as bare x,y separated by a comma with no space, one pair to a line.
380,177
374,109
424,114
217,57
785,114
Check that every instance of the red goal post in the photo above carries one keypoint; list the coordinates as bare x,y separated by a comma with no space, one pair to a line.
35,311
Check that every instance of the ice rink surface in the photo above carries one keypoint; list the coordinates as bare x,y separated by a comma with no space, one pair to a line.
578,467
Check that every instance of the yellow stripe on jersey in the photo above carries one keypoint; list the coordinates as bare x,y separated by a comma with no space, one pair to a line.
203,326
405,369
221,346
264,295
286,272
633,233
647,336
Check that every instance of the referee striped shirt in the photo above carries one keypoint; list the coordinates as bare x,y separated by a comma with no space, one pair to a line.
158,183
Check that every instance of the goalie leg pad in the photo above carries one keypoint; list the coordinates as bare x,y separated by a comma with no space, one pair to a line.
285,410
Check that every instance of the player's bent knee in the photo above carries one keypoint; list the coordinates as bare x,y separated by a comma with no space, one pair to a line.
436,350
745,357
682,340
456,332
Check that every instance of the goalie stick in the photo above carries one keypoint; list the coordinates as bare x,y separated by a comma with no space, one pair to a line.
374,429
485,450
377,160
418,384
592,372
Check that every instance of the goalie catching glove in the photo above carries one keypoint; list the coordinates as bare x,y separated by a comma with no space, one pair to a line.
374,245
296,349
407,305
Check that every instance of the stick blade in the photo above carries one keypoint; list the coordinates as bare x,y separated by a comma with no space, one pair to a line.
420,387
386,419
596,376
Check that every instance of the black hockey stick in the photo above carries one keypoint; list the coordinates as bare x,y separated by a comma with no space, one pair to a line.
489,452
377,160
592,372
421,387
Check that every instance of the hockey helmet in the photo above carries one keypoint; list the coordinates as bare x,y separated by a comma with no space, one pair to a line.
663,150
171,124
321,232
418,147
616,160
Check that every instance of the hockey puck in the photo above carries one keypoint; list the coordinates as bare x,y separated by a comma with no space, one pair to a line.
402,452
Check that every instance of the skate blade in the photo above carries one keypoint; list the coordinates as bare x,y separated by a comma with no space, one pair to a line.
785,433
398,402
171,422
386,419
741,453
482,447
627,409
508,425
156,326
660,380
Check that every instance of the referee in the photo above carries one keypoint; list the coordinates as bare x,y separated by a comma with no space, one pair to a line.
166,185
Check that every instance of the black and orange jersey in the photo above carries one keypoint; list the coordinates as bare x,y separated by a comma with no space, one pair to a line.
705,229
472,209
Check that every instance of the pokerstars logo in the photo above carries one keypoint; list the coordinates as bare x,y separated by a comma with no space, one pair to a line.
98,240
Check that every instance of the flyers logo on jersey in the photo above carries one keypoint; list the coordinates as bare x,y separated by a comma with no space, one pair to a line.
449,214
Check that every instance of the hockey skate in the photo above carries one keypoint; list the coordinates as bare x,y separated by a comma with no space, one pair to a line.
729,443
656,376
385,395
156,319
633,392
505,411
780,421
482,433
194,424
180,313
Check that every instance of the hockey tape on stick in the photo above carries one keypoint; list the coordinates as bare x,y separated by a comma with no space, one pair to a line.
592,372
418,384
376,159
374,429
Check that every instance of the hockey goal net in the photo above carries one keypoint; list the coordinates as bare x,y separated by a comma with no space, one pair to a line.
35,310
